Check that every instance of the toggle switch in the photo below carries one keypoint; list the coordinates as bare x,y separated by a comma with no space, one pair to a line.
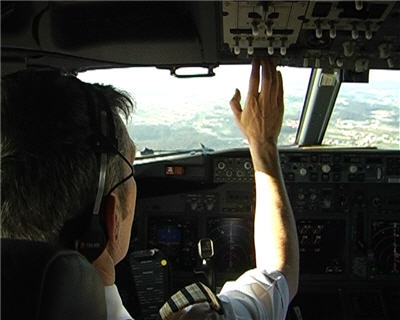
332,30
236,48
318,29
250,48
270,47
255,28
268,29
283,47
354,32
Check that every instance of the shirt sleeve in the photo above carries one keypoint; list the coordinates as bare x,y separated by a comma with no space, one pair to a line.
115,308
256,295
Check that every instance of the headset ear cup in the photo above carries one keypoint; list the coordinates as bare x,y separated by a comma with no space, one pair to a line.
93,240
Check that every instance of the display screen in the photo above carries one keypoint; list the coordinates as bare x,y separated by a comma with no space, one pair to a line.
176,238
322,246
169,234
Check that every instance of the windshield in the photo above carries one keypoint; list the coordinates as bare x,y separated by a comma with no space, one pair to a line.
185,113
189,113
367,114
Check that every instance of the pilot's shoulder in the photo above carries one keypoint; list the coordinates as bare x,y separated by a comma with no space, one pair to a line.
256,295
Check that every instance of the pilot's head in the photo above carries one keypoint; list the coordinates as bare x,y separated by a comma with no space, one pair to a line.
50,160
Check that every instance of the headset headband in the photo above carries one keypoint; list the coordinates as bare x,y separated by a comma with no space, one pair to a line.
94,239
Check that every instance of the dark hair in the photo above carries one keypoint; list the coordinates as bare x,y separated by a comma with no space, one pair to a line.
49,167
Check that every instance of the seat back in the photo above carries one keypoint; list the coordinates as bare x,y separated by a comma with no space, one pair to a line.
40,281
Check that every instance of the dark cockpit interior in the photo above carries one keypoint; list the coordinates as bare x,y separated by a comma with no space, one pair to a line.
346,200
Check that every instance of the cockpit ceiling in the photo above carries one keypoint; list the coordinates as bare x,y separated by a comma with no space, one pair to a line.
353,35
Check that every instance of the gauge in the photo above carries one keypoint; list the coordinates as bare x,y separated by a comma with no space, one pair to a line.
233,243
386,248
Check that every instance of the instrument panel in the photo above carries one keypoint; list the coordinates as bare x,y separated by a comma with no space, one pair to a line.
347,209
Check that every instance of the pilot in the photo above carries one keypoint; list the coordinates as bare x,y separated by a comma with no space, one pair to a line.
56,132
52,158
264,292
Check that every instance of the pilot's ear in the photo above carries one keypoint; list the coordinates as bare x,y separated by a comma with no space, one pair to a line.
111,217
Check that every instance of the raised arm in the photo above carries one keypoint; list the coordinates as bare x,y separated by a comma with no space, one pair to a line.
260,121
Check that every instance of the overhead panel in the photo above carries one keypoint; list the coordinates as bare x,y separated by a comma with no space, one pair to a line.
354,35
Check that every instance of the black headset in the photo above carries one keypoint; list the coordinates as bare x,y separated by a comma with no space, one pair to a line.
91,239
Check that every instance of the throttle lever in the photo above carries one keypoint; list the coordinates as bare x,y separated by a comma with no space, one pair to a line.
205,248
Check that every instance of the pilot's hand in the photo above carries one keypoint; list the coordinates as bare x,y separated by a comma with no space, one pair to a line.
261,118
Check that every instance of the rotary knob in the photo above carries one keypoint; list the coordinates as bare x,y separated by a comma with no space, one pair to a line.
221,165
353,168
247,165
326,168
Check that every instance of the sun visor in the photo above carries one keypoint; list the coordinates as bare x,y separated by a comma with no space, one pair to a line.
108,34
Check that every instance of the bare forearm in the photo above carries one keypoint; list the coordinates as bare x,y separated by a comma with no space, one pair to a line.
261,121
274,229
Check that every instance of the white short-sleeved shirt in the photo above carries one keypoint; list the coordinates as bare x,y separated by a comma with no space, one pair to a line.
254,295
115,308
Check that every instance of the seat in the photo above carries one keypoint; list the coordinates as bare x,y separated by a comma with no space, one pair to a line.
42,282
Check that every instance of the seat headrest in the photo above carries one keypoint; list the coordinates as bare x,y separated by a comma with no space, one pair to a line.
40,281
